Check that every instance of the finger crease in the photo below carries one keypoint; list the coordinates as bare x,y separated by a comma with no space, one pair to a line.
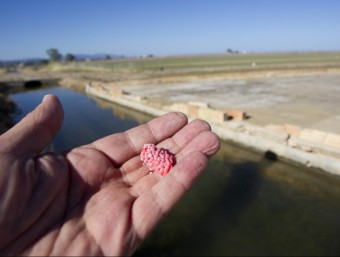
153,133
130,142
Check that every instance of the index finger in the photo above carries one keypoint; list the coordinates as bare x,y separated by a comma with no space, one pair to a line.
123,146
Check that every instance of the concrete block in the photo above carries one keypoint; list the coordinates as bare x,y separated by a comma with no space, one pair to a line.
260,132
235,126
310,146
304,145
236,114
332,140
313,135
180,107
292,129
276,128
98,84
104,87
199,104
137,98
193,110
117,92
212,115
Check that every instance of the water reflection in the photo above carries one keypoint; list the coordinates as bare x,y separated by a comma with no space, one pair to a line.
85,120
122,112
244,204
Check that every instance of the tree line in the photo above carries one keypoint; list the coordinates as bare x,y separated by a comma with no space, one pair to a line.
56,56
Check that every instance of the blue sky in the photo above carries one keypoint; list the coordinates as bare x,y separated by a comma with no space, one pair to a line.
166,27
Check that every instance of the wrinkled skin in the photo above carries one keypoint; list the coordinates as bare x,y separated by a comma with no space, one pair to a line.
97,199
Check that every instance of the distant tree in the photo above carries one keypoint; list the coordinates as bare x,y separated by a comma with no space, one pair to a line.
107,57
70,57
54,54
43,62
231,51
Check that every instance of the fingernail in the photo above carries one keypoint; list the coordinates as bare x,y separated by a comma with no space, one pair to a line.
207,124
44,99
181,114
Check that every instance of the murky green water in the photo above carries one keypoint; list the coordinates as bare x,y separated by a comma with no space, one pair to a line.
244,204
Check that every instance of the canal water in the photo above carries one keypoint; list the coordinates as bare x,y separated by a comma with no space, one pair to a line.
245,204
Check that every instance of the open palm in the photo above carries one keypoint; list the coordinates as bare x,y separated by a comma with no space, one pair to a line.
97,199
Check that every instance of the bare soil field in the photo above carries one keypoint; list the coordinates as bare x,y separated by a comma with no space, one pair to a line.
309,101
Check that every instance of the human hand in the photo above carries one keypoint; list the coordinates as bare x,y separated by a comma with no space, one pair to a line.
97,199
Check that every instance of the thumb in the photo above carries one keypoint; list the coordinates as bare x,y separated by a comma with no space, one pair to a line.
34,132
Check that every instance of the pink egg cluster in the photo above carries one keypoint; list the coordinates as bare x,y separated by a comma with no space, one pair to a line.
159,160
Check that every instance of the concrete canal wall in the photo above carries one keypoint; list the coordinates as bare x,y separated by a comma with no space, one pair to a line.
308,147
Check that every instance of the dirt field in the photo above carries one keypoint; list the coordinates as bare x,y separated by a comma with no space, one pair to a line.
310,101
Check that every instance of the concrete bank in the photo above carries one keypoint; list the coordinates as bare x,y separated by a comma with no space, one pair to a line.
310,148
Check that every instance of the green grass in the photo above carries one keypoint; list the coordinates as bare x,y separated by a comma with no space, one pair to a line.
186,62
216,63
